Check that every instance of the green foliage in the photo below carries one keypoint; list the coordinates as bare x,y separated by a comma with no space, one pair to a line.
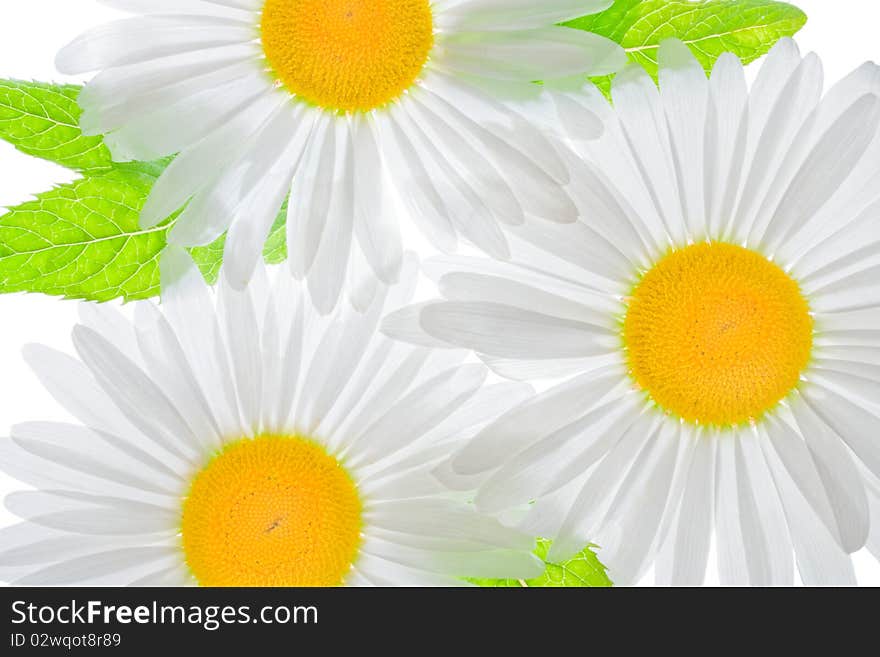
747,28
583,570
42,120
82,240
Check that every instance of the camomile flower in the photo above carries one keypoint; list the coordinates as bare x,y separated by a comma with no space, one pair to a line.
346,105
244,440
716,318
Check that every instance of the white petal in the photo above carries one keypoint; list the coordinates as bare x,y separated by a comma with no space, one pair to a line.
629,533
855,425
559,457
88,514
528,55
523,426
842,481
642,117
143,38
328,272
113,563
312,190
820,560
508,332
136,395
684,92
597,492
691,535
189,307
416,413
377,234
726,136
513,14
239,320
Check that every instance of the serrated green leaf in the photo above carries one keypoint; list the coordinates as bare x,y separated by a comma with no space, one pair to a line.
83,240
42,120
747,28
583,570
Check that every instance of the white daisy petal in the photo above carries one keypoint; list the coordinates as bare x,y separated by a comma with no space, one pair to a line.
643,120
76,571
528,55
585,511
328,272
770,142
269,184
685,97
442,518
198,80
558,458
229,401
133,40
379,238
228,8
190,310
841,479
27,544
820,559
769,509
166,362
467,211
546,413
514,14
745,554
496,564
176,576
481,173
690,539
627,539
726,127
505,331
78,449
375,571
656,306
831,161
196,168
415,413
133,392
74,387
156,133
313,190
854,424
85,514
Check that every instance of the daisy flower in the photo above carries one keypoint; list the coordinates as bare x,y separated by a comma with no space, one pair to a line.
346,105
716,318
248,441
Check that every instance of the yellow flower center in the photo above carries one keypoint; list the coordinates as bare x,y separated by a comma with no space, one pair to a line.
273,511
347,55
717,334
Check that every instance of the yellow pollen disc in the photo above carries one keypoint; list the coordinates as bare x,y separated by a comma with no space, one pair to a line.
717,334
273,511
347,55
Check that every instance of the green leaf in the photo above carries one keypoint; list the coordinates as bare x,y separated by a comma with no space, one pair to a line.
583,570
747,28
42,120
83,240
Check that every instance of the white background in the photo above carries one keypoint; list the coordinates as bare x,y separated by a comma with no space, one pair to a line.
843,32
